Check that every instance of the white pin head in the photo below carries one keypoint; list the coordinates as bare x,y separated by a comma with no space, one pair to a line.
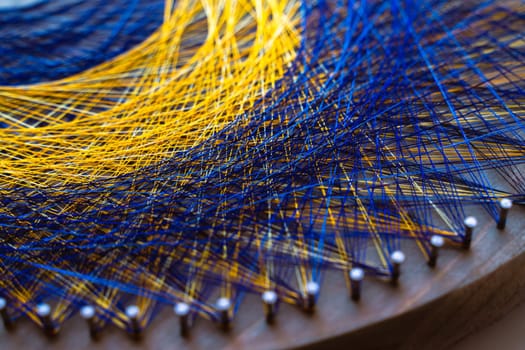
398,257
505,203
269,297
437,241
3,304
87,312
181,309
357,274
132,311
223,304
43,310
312,288
470,222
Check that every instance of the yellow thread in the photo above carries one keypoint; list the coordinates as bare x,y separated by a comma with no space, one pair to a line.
166,95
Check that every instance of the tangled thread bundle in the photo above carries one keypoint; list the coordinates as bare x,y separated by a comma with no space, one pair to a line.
250,145
56,39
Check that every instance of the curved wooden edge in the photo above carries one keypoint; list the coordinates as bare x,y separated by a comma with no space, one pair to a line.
446,320
430,309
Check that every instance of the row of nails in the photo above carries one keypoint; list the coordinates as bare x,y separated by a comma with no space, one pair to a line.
269,298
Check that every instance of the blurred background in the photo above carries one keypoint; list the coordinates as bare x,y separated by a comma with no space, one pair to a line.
506,334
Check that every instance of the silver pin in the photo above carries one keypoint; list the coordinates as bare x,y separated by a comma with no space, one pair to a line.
44,312
436,242
312,290
8,322
223,306
397,258
182,310
88,313
356,278
269,299
132,313
470,223
505,204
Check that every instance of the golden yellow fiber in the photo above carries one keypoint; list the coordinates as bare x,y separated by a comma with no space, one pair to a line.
209,61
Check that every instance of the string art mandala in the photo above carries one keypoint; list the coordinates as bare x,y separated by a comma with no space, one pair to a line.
192,153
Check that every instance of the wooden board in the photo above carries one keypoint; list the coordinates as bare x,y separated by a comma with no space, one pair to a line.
430,309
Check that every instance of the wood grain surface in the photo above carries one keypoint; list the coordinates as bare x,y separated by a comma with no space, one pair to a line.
430,309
